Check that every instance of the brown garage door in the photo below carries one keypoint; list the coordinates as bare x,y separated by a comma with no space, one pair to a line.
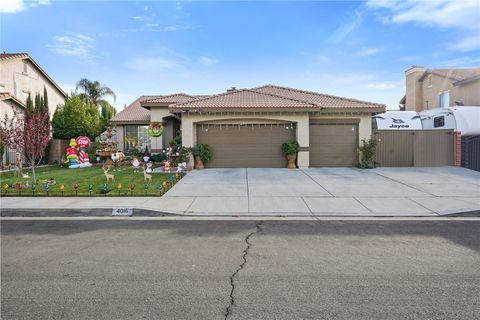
246,146
333,144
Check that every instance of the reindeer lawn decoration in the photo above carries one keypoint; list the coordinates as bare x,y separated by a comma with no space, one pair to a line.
146,176
109,176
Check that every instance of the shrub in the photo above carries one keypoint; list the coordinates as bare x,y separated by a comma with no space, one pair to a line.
290,147
202,151
177,141
366,154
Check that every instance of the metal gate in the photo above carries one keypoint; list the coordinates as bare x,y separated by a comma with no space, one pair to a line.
471,152
415,148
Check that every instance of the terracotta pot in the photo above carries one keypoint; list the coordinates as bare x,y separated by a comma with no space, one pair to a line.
199,163
291,161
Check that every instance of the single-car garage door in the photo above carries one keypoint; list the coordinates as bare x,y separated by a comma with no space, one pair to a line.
333,144
246,146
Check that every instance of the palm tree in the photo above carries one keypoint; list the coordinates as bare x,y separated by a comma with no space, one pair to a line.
95,94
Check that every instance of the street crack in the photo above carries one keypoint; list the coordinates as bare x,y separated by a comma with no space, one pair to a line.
258,229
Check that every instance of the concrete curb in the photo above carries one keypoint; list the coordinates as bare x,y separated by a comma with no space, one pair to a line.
143,212
85,212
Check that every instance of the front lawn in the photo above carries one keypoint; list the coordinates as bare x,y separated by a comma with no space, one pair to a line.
91,181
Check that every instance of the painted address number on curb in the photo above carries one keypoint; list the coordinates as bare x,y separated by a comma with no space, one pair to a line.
122,211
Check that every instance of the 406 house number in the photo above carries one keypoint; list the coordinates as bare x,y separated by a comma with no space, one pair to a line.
122,211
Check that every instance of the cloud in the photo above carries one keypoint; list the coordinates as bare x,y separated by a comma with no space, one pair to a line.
73,45
206,61
11,6
14,6
461,17
382,85
368,52
346,28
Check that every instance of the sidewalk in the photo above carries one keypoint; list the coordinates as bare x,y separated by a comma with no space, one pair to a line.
383,192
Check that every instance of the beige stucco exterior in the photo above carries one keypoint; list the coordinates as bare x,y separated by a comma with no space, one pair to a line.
301,119
21,76
424,93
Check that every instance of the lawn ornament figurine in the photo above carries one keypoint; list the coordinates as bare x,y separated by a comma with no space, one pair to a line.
167,167
149,167
182,167
72,155
83,143
109,176
136,165
146,176
117,158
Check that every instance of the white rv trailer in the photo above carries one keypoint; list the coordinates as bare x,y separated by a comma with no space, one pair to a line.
463,119
397,120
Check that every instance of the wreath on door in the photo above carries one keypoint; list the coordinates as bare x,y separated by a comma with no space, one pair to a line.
155,129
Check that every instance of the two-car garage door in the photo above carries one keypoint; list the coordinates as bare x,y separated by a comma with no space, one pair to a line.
246,146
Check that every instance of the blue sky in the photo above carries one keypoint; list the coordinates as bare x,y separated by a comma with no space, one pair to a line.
357,49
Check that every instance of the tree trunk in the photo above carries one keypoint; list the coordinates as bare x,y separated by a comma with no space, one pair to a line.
34,177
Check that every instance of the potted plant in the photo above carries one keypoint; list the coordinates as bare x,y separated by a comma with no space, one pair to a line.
202,155
290,149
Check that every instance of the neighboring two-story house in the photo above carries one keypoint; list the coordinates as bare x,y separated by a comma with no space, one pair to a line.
19,76
436,88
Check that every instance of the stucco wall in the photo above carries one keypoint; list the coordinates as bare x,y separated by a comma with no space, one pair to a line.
156,115
33,81
468,93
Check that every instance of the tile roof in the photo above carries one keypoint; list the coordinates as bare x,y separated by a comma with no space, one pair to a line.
245,99
323,100
173,98
5,56
9,96
457,74
13,56
134,113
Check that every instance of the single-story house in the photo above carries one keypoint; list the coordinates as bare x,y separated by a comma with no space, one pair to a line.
246,127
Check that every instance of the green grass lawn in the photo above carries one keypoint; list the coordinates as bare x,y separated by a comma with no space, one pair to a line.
84,177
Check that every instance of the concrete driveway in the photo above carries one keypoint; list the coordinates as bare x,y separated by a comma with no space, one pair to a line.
325,191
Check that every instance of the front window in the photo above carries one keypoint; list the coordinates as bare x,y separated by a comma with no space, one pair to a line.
445,99
136,139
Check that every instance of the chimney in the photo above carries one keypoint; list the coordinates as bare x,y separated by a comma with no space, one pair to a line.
414,95
232,89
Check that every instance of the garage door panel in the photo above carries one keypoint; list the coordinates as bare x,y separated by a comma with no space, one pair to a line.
333,145
259,146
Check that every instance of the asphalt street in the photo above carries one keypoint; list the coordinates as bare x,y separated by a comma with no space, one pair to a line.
104,269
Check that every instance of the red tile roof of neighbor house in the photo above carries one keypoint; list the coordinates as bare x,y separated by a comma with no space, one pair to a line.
245,99
9,96
457,74
12,56
134,113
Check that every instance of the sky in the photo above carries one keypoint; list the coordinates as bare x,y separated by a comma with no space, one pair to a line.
356,49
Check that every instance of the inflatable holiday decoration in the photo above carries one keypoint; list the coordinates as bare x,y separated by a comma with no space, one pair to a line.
83,143
72,155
